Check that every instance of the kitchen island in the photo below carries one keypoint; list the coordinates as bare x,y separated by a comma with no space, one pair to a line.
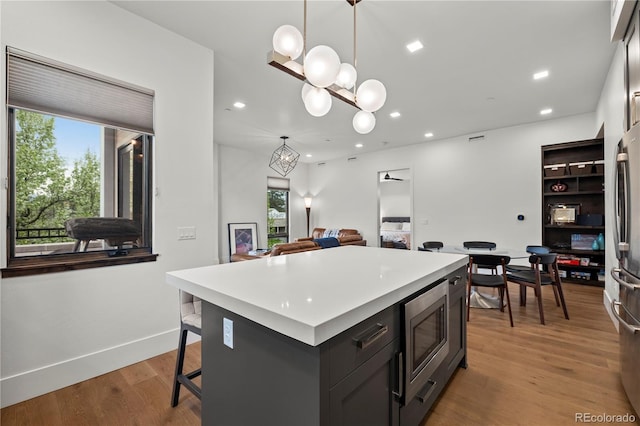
314,338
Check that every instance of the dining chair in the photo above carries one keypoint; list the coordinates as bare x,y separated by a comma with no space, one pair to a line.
532,249
479,244
431,246
494,280
544,271
190,321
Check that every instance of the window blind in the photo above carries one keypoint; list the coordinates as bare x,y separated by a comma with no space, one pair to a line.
277,183
50,87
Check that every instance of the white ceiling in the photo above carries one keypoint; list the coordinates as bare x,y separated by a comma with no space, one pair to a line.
474,73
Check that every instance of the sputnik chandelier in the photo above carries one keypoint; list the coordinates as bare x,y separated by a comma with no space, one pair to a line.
284,158
325,76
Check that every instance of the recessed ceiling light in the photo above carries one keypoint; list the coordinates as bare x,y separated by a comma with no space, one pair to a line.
239,105
309,155
541,74
546,111
428,135
394,114
359,145
414,46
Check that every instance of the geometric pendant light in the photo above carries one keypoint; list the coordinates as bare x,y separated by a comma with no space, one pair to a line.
284,158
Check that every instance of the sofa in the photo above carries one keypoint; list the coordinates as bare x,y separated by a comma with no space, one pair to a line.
316,242
345,236
295,247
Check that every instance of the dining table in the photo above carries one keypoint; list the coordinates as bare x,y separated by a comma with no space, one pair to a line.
482,299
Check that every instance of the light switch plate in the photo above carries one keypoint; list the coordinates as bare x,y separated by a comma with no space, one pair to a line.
187,233
227,332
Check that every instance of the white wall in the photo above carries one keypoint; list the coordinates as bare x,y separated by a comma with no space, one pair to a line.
610,111
61,328
243,194
461,190
395,198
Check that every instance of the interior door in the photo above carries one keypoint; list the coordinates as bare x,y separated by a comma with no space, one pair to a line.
394,197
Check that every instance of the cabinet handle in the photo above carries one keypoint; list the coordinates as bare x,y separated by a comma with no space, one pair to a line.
426,391
454,280
400,390
633,329
370,336
615,274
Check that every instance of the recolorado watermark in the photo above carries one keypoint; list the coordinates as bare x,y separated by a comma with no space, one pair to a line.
605,418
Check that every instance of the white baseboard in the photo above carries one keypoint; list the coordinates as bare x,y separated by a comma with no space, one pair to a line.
606,299
29,384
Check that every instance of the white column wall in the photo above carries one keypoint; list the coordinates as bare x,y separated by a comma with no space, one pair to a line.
61,328
610,111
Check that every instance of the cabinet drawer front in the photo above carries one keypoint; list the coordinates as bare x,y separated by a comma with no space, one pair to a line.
350,349
364,397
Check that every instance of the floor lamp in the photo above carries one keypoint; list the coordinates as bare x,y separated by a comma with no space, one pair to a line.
307,206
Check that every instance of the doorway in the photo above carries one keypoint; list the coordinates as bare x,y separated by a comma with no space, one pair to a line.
394,208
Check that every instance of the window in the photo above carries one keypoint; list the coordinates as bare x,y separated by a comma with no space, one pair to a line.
80,166
277,211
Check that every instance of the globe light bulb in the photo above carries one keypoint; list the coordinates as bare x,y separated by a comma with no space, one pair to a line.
346,76
371,95
288,41
321,66
317,101
305,89
364,122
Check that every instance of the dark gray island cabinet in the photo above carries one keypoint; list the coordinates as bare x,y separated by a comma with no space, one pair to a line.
326,351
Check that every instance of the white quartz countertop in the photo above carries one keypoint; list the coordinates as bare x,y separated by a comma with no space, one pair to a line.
315,295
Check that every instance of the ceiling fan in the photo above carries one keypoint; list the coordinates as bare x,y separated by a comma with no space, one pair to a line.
387,177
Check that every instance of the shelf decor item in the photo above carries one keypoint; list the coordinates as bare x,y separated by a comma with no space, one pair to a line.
580,168
600,241
559,187
584,242
561,214
595,246
555,169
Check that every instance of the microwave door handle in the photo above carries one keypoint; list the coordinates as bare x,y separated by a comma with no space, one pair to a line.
617,272
631,328
622,204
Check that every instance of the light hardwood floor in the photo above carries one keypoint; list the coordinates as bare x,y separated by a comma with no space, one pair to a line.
527,375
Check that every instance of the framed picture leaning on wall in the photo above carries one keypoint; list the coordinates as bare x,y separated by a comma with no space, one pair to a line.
243,237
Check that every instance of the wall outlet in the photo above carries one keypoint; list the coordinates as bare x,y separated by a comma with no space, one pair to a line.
227,332
187,233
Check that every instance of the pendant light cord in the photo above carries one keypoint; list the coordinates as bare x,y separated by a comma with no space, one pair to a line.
304,35
355,61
